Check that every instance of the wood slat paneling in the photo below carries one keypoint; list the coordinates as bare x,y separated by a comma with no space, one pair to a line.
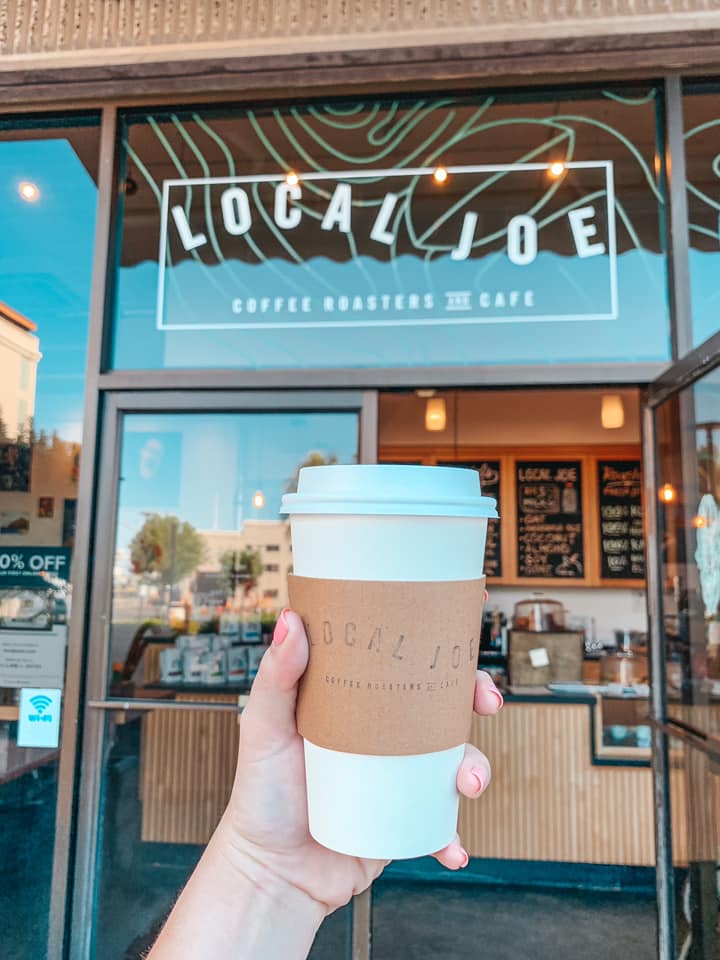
187,767
547,800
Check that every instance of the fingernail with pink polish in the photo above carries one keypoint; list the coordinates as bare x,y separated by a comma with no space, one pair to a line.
281,629
499,697
482,778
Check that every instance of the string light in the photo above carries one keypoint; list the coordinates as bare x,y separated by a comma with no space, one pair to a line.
292,179
440,175
556,169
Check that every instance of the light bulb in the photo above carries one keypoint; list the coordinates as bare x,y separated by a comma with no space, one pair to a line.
29,191
292,179
440,175
667,493
556,169
258,500
435,414
612,412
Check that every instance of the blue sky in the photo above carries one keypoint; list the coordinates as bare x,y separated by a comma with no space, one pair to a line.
45,268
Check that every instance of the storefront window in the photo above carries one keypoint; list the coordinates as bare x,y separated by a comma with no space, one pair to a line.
200,567
689,492
48,176
496,230
689,450
702,158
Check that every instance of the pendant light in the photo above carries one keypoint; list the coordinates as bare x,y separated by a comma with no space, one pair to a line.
612,412
435,414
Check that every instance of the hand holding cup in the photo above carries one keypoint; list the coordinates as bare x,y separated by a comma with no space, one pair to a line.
267,816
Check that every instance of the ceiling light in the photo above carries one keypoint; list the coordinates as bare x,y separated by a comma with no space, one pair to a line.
612,412
556,169
29,191
440,175
435,414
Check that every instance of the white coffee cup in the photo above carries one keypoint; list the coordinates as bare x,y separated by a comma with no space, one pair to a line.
386,523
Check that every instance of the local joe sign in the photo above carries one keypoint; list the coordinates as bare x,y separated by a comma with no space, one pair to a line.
486,243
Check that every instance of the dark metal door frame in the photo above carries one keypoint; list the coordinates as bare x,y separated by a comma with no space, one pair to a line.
682,374
97,703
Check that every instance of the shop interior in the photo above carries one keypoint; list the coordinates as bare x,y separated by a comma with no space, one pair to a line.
567,557
494,429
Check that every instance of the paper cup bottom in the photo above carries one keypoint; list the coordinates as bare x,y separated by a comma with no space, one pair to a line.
384,808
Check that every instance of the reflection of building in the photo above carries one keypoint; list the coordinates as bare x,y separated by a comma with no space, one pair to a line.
38,474
269,538
19,356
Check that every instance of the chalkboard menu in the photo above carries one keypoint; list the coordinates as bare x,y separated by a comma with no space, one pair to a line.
622,545
549,519
489,471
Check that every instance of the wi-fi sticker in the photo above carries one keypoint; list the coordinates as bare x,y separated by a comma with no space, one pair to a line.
40,702
39,717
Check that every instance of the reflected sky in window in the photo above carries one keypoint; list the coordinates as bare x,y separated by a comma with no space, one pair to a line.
207,468
46,247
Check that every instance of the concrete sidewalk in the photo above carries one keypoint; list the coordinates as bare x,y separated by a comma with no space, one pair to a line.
419,921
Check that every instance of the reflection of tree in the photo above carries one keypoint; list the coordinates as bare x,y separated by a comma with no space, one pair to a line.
166,546
244,567
313,459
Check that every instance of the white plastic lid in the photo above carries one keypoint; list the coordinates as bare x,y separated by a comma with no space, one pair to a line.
390,489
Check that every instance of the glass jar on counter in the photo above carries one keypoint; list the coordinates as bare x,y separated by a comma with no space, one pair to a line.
628,663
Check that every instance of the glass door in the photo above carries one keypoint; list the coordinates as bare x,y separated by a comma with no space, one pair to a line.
682,451
192,556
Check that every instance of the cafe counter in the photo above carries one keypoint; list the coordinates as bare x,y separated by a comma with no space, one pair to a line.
553,798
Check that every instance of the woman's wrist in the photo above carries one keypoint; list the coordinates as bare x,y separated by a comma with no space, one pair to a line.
236,906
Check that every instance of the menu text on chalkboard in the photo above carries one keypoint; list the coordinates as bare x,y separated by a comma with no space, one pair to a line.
489,471
622,544
549,518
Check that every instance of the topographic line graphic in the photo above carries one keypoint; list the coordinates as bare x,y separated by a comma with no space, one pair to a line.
374,148
420,242
279,236
206,189
155,127
700,194
147,176
336,124
230,160
631,101
247,236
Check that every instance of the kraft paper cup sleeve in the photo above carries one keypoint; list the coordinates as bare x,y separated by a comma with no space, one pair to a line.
392,665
